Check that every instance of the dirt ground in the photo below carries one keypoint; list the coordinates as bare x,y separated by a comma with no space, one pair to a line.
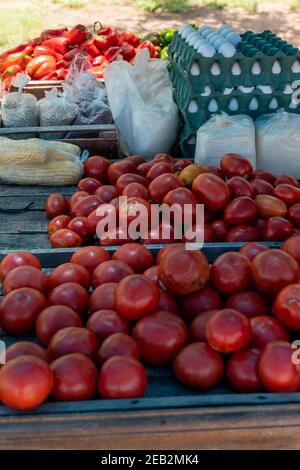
123,15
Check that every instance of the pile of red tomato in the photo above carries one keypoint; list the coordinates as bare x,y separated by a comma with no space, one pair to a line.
241,205
102,319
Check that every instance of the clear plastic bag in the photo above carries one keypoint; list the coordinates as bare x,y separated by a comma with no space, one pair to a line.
20,109
141,100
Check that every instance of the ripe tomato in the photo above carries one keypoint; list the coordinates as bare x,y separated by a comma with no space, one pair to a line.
238,186
228,331
211,191
242,371
199,366
65,238
161,185
135,190
96,167
162,234
251,304
90,257
72,295
85,206
61,221
56,204
122,377
160,168
110,271
265,330
119,168
264,175
76,197
115,237
286,179
167,302
105,323
164,157
287,193
166,249
242,233
117,344
137,256
75,378
240,210
277,229
19,310
181,164
276,369
261,187
89,185
25,348
15,259
270,206
197,327
294,214
273,270
183,271
160,336
107,212
53,319
124,180
252,249
233,164
286,306
152,273
25,276
190,173
259,223
144,167
215,170
103,297
200,301
25,382
182,197
78,225
292,247
136,159
136,296
69,272
219,230
106,193
73,339
231,273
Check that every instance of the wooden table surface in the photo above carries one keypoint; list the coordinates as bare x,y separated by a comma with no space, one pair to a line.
169,417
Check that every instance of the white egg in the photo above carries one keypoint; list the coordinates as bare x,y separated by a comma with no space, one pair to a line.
273,104
193,107
206,32
207,91
276,68
253,106
207,50
266,89
288,90
187,31
212,37
193,39
217,43
227,49
198,43
246,89
236,69
224,28
215,69
296,67
256,68
293,105
183,28
233,104
227,91
233,38
195,69
213,106
192,140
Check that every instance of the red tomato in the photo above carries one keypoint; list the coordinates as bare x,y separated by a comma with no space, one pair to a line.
53,319
103,297
136,159
90,257
286,306
273,270
182,197
167,302
72,295
122,377
75,378
135,190
270,206
214,170
105,323
276,369
137,256
117,344
265,330
61,221
124,180
199,366
211,191
264,175
287,193
183,271
249,303
292,247
56,204
107,213
160,168
164,157
96,167
76,197
65,238
253,249
115,237
219,230
110,271
134,207
69,272
143,168
120,168
25,276
19,310
242,372
78,225
200,301
160,336
25,348
233,164
228,331
286,179
238,186
261,187
106,193
242,233
277,229
73,339
240,210
136,296
162,234
294,214
259,223
15,259
231,273
166,249
85,206
25,382
161,185
181,164
197,327
89,185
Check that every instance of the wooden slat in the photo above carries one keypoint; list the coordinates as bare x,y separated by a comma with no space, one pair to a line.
20,190
106,128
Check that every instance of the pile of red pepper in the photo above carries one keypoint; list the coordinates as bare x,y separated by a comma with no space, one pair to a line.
48,56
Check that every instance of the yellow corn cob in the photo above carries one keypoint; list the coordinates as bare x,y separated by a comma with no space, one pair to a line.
30,151
62,150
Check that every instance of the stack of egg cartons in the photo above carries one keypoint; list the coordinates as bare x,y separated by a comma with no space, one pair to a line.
220,70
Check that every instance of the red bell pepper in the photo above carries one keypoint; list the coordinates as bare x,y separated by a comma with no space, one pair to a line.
40,66
62,64
154,50
44,50
61,74
71,54
78,34
101,43
111,35
127,51
98,69
130,38
50,76
11,71
53,33
90,47
112,53
18,58
98,60
58,44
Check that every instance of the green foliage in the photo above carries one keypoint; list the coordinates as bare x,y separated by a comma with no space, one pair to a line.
167,5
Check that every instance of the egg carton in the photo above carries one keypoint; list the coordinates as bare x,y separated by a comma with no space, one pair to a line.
261,59
187,142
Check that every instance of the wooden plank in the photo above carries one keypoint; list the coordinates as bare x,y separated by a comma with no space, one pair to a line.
17,202
20,241
30,190
108,129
